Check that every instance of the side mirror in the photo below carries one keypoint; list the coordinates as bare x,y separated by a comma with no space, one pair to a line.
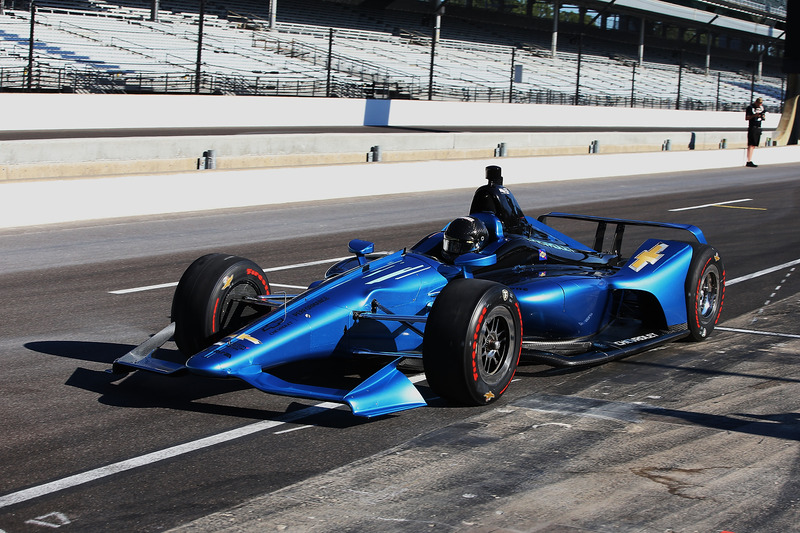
361,249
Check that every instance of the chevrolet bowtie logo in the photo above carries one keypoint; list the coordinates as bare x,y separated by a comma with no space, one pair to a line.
650,257
246,337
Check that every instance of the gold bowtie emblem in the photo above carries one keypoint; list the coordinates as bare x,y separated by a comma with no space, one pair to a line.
648,257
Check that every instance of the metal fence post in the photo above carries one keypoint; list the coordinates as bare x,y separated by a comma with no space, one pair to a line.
511,83
578,71
30,47
198,67
330,63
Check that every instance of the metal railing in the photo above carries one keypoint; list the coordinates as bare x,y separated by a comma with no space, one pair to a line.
72,80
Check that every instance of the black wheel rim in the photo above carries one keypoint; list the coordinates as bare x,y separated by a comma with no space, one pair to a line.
494,345
235,312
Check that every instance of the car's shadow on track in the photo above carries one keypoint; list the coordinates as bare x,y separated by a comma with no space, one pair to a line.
534,369
185,392
95,352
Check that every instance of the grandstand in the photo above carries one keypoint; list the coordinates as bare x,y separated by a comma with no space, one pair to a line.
386,49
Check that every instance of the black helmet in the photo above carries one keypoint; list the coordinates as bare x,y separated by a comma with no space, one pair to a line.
464,234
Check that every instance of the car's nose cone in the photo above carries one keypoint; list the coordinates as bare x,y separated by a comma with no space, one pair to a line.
216,363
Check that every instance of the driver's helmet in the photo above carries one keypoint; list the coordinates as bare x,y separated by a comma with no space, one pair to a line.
463,235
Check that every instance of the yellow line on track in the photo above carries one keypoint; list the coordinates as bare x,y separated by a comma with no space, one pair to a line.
741,207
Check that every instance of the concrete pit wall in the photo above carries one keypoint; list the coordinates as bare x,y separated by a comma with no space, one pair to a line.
83,146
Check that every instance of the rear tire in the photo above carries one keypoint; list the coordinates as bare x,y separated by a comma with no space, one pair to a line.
472,341
205,306
705,291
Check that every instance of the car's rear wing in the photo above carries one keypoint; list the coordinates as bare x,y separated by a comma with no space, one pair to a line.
621,223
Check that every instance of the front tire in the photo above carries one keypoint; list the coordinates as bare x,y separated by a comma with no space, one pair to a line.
705,291
472,341
206,304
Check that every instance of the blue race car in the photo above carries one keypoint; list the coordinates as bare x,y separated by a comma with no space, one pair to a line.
469,301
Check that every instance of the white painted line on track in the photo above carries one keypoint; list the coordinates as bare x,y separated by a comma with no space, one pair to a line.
290,430
154,457
757,332
175,284
274,269
168,453
715,204
310,263
146,288
762,272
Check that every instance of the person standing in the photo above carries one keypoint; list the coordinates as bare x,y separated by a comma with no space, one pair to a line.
754,115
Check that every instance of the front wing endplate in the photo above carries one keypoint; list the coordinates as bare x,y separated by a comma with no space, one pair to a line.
387,391
141,357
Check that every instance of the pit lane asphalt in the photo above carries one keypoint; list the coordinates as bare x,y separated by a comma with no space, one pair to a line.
690,437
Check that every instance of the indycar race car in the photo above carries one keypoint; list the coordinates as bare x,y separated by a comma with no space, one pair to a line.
469,301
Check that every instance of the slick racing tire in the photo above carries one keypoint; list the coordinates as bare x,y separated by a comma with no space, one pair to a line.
472,341
705,291
206,304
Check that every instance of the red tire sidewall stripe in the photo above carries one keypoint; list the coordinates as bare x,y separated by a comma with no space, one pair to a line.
475,336
260,277
214,317
519,353
721,299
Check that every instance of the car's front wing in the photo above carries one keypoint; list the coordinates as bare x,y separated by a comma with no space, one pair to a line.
386,391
